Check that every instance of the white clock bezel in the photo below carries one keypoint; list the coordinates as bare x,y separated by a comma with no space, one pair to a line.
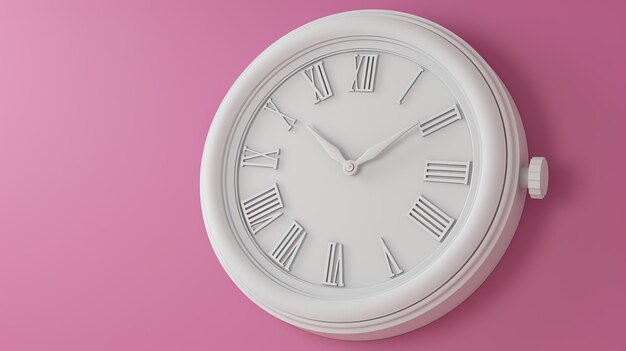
450,279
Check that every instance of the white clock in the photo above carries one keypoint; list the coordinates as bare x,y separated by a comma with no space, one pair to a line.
365,174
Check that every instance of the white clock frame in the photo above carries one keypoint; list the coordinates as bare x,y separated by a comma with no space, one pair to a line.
447,282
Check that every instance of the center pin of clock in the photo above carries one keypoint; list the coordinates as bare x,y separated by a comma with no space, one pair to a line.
349,168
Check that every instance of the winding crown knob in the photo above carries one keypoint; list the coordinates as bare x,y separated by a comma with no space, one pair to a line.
535,177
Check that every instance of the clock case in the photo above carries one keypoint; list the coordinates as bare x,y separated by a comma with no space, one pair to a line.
412,305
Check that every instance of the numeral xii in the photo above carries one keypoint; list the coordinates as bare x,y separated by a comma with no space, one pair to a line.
364,73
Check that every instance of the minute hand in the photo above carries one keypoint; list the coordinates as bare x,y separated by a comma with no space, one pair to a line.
375,150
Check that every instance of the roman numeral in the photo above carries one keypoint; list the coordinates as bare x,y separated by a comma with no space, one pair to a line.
262,209
447,172
288,246
271,106
253,158
316,76
392,265
333,273
431,218
406,91
364,72
440,120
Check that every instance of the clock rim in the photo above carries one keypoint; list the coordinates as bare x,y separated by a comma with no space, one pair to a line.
462,283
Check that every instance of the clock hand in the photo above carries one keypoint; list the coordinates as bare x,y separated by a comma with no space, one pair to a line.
330,149
375,150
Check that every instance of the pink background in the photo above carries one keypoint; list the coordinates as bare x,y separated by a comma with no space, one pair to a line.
103,114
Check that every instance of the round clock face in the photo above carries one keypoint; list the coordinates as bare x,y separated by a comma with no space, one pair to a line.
360,178
355,169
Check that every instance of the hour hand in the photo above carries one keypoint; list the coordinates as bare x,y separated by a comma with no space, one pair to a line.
330,149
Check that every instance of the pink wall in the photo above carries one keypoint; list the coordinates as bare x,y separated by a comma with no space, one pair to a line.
103,114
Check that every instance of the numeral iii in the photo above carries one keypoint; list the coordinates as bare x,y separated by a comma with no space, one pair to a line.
364,72
262,209
440,120
333,273
253,158
447,172
288,246
316,76
431,218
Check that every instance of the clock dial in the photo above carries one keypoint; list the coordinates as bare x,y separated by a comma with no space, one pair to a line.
352,167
